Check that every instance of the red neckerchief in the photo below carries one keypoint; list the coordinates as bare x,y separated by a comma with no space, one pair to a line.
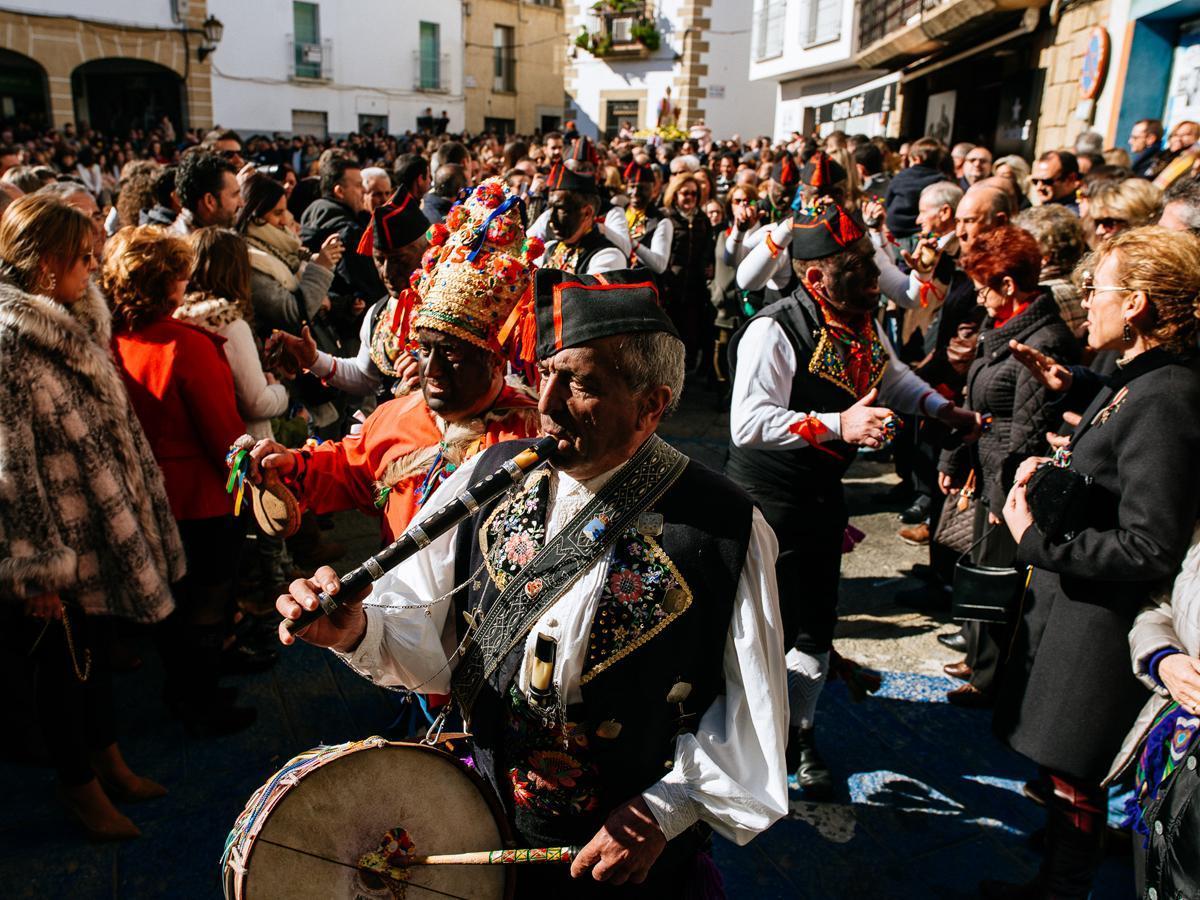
1001,319
855,333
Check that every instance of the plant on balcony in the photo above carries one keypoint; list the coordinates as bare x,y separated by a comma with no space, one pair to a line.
646,34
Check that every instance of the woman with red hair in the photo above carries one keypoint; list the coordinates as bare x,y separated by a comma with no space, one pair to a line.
1004,265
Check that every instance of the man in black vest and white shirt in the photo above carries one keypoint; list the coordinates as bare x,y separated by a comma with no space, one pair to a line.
814,379
664,717
575,240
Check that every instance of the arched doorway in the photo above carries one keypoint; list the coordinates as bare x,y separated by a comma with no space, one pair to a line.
24,98
118,95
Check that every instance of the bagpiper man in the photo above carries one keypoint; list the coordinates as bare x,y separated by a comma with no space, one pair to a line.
661,714
814,379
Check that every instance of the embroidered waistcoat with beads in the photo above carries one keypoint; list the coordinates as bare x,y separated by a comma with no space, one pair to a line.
654,657
819,384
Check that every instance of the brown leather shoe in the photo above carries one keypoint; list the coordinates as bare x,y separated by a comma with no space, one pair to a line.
969,697
916,535
958,670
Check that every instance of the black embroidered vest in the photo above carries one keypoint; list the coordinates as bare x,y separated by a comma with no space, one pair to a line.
654,659
819,384
591,244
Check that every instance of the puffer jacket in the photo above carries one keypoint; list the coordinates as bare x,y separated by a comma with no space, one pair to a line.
1173,622
999,384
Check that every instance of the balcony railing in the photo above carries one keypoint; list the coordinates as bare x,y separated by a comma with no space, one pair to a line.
879,18
310,61
616,20
431,73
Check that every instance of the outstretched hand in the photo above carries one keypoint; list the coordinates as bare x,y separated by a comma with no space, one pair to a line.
301,349
1052,375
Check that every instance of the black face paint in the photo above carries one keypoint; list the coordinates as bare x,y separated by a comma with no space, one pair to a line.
564,216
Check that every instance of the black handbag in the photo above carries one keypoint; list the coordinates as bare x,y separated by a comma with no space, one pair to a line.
1058,500
990,594
957,522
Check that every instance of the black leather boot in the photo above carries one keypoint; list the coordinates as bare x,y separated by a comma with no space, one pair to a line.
811,772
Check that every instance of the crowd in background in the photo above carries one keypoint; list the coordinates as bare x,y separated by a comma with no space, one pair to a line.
200,276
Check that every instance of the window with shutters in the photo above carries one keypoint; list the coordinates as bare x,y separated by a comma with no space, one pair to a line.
768,28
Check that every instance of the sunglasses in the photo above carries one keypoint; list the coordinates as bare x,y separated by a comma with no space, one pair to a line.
741,201
1054,180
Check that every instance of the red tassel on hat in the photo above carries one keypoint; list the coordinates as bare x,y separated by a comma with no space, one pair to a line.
366,243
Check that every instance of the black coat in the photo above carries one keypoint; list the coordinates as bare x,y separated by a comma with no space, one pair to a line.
904,195
1068,695
999,384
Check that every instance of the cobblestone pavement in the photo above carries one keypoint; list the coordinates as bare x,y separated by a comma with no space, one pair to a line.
931,802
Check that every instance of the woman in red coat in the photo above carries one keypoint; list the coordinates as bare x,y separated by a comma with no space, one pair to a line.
182,391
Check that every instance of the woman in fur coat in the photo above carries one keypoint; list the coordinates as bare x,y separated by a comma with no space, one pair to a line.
85,529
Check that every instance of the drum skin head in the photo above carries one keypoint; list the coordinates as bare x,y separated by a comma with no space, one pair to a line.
342,810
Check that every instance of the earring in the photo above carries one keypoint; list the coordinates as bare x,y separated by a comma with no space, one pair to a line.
53,284
1127,333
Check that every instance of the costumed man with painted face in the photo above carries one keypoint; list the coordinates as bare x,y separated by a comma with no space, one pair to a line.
766,265
660,713
583,159
409,445
385,365
650,229
814,379
574,242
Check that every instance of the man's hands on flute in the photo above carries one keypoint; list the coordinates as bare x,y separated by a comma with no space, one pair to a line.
625,848
342,631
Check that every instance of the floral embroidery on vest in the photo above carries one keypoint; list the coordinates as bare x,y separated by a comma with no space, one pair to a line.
643,594
516,530
549,767
826,362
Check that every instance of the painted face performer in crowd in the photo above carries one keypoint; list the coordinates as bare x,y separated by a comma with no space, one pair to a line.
661,715
396,241
410,444
814,380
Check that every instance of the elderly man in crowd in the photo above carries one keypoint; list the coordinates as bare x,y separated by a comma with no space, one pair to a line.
1181,207
665,688
976,166
377,187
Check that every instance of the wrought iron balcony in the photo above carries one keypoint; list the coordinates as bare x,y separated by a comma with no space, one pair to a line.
893,30
431,73
310,61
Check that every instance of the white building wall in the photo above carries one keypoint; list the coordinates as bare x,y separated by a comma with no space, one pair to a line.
745,108
739,107
373,46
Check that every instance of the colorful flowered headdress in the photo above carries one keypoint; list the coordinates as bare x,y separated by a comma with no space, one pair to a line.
478,267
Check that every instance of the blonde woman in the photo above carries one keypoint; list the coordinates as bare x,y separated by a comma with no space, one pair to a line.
1114,206
86,535
1016,169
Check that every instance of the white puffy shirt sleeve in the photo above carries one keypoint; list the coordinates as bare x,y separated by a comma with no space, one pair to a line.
759,266
759,416
616,229
903,390
658,255
411,635
358,376
731,773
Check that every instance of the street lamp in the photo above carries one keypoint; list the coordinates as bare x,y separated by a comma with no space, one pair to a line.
212,29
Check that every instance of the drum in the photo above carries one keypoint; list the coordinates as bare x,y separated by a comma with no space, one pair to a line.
304,833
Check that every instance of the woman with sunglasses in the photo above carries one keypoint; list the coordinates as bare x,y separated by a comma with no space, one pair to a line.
690,267
1068,696
1114,206
86,534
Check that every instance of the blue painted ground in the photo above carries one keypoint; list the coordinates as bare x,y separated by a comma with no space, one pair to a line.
932,803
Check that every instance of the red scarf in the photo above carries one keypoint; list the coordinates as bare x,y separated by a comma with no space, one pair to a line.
1002,318
855,332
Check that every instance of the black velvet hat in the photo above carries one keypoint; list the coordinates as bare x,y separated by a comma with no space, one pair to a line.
393,224
563,179
636,174
785,171
824,232
575,309
821,172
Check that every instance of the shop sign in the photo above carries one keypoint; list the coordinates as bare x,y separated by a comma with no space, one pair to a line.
877,100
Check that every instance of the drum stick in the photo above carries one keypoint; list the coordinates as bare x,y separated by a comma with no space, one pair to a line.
420,535
496,857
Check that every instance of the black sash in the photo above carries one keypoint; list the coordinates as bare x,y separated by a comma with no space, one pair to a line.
560,563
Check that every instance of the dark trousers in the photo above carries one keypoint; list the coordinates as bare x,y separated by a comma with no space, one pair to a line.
75,717
1076,814
987,644
809,567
